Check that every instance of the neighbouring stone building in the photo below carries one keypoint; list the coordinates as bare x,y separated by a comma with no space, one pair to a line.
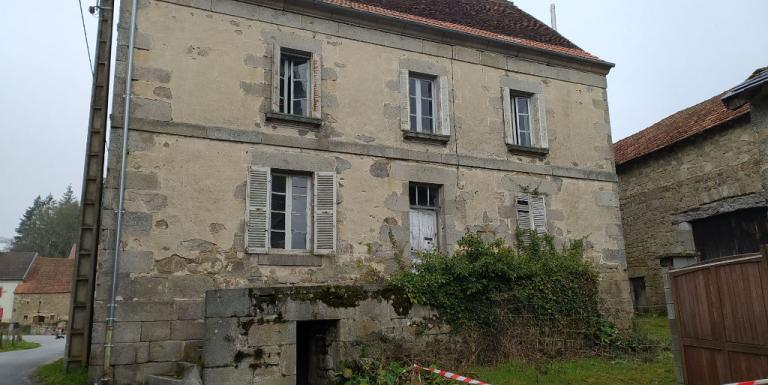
42,299
298,143
692,188
14,267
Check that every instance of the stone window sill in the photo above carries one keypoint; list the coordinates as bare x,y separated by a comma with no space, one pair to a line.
295,119
290,260
527,150
420,136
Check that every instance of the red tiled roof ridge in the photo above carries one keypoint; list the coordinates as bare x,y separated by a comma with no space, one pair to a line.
466,29
674,128
48,275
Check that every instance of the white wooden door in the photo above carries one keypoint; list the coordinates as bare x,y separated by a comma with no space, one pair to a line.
423,229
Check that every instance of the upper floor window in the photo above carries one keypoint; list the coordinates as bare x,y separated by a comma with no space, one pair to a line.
294,83
522,120
421,91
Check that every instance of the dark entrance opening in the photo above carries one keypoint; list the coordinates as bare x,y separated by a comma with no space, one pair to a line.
640,299
738,232
315,351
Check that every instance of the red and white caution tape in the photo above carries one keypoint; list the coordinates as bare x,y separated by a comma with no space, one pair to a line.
452,376
756,382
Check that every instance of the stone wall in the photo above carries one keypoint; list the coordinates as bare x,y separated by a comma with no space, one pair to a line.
54,305
255,335
716,167
200,89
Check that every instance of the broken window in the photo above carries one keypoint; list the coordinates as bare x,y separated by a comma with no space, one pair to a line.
294,83
316,352
737,232
424,200
421,91
289,212
531,213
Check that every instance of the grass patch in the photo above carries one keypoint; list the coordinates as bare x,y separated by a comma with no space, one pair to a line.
23,345
657,327
586,371
54,374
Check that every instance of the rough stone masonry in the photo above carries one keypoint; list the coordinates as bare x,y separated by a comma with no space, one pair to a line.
204,115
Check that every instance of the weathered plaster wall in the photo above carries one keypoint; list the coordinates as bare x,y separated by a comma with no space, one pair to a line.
6,298
47,305
201,88
716,165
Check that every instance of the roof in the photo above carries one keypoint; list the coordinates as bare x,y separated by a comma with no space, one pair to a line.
48,276
14,265
741,94
494,19
708,114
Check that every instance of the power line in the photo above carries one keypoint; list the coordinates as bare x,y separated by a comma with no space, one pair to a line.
85,35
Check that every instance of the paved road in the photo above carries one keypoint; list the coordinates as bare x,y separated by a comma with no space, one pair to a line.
16,366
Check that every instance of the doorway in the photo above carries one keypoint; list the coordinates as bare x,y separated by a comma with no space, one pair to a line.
315,351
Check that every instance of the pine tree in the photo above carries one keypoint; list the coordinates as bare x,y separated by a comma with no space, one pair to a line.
49,226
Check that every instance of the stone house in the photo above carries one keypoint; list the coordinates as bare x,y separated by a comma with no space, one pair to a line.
14,267
296,143
691,189
42,299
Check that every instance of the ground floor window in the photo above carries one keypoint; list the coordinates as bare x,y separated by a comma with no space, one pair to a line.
424,200
737,232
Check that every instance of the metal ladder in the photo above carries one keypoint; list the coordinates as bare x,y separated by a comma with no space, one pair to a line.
83,282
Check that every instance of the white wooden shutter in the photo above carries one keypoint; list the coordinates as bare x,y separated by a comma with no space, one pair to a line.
524,213
541,139
276,77
325,213
315,82
509,128
257,210
538,214
405,106
445,113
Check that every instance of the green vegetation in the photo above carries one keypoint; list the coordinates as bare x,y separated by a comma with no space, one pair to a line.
54,374
656,327
585,371
49,227
23,345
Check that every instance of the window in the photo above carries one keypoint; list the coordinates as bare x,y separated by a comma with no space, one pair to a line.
737,232
26,317
289,212
421,91
294,83
521,106
424,200
531,213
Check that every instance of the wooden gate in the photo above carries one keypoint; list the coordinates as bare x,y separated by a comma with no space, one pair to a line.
722,319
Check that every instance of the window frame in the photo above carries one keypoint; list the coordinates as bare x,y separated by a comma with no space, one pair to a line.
414,206
419,114
287,57
288,212
514,97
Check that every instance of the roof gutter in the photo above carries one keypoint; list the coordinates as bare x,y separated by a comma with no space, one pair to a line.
357,17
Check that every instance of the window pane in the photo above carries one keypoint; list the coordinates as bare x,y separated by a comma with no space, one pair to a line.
278,221
278,202
298,240
299,222
300,107
426,124
278,183
426,107
300,184
300,89
412,86
525,139
421,191
433,194
300,69
413,123
522,105
299,203
412,105
426,88
277,240
412,193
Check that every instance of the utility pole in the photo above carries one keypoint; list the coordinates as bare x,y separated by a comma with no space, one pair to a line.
81,302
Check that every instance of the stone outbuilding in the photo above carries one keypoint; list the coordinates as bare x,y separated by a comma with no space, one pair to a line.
14,267
42,299
324,142
693,188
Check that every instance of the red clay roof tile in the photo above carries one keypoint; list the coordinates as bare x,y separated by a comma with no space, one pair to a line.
47,276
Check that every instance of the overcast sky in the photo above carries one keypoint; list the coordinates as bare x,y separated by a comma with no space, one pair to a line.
668,55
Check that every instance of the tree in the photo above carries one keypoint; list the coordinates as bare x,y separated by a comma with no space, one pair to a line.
49,226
